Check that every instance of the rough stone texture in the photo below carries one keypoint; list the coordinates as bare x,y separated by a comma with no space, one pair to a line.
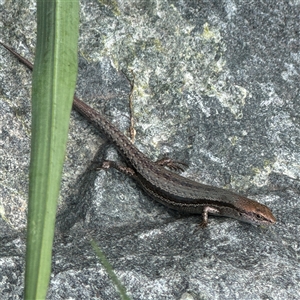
216,85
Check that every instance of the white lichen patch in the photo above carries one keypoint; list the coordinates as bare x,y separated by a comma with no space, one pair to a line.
167,55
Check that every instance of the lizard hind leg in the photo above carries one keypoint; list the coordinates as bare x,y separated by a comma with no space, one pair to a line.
107,164
172,164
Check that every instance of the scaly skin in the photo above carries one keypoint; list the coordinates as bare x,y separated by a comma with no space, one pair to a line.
167,187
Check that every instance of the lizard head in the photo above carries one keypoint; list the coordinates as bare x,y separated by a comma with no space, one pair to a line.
253,212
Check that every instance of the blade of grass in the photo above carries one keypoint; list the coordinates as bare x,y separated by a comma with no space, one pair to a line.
97,250
53,85
109,269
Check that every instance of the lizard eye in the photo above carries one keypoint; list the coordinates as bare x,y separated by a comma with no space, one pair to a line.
259,217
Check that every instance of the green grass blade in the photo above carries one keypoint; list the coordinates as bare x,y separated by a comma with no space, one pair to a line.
109,269
54,77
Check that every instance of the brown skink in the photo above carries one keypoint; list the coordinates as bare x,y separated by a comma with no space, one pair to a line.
167,187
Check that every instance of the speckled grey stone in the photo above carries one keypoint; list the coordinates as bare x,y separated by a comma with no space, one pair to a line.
216,85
